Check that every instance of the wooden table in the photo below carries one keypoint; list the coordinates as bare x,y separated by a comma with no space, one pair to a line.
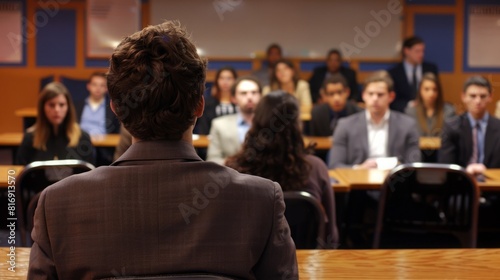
429,143
372,179
29,112
358,264
13,139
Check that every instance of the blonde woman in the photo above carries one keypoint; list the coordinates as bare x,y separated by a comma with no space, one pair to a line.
56,134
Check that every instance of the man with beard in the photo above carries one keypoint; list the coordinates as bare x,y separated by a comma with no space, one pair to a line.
228,132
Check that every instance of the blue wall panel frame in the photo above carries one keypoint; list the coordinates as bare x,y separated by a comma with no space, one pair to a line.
56,38
430,2
438,33
237,65
465,65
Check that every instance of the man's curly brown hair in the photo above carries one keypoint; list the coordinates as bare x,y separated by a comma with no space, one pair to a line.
156,81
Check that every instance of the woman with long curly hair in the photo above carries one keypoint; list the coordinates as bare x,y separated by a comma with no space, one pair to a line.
55,134
274,149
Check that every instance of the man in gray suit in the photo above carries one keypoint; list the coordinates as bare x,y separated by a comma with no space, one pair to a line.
159,209
228,132
377,132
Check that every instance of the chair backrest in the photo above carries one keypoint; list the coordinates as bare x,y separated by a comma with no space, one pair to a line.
77,88
422,205
173,277
306,217
45,81
35,177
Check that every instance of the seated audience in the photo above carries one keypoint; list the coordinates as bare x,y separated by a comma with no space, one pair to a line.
471,139
334,93
333,66
228,132
219,103
377,132
55,134
408,73
274,149
430,111
159,209
273,54
286,78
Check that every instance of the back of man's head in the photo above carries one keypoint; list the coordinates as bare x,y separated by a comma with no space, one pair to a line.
156,82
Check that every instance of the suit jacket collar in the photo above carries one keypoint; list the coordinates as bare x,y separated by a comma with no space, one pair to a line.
158,150
490,140
363,128
393,134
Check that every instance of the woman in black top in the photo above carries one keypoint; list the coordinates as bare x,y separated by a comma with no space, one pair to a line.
56,134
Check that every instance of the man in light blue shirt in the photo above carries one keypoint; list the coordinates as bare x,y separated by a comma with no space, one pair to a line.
95,115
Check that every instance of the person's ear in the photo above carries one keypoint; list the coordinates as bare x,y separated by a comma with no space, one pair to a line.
392,96
112,105
463,97
348,91
200,108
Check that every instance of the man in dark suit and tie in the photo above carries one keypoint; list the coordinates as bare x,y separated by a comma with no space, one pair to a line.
159,209
407,74
471,139
333,66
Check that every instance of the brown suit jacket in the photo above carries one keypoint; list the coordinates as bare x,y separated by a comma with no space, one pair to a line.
160,209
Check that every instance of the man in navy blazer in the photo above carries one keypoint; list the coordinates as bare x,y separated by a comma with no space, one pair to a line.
159,209
333,66
408,73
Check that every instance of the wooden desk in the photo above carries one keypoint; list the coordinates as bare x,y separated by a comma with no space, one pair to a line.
358,264
305,113
13,139
4,175
30,112
372,179
429,143
399,264
341,185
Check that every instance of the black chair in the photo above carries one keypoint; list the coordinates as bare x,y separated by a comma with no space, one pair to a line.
306,217
173,277
35,177
77,89
427,205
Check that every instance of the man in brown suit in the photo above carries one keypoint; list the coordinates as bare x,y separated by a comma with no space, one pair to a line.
159,209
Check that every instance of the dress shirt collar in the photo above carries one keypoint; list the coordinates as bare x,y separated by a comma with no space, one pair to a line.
385,119
482,122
